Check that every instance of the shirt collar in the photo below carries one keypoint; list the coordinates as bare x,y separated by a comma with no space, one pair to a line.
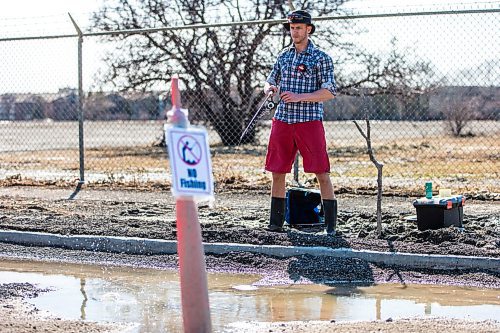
309,49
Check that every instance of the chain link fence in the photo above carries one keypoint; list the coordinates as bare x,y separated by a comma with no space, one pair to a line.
427,82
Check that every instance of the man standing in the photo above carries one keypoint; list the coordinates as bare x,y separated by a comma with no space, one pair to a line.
304,75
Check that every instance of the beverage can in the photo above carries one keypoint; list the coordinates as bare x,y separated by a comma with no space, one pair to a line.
428,190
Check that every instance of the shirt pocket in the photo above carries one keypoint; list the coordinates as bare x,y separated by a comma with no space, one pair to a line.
287,71
309,74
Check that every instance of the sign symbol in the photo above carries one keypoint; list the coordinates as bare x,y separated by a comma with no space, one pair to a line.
190,163
189,150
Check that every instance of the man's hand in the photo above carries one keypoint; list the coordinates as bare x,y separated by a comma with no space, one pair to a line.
290,97
270,88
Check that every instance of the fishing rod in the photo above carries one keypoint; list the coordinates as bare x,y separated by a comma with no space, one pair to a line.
266,106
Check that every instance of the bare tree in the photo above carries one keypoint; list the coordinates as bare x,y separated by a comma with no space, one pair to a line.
223,69
367,136
392,74
460,105
460,109
459,113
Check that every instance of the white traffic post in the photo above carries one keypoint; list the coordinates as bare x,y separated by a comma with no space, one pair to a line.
191,177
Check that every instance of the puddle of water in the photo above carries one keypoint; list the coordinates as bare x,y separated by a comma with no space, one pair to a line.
151,298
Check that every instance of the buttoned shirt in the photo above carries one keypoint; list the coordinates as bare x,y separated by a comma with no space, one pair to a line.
304,72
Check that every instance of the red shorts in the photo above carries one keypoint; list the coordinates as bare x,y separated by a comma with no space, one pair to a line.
307,137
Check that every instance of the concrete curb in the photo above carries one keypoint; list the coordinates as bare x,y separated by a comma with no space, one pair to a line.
144,246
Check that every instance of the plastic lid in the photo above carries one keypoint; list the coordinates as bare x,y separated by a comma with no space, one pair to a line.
440,201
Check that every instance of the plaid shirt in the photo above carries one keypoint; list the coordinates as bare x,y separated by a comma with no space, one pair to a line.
303,72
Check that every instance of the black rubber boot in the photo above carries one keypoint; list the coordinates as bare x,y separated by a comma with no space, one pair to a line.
330,207
277,214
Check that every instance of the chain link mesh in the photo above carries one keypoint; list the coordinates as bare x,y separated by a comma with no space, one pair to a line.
428,85
38,109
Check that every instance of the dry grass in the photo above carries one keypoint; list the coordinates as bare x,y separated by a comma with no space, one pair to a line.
460,163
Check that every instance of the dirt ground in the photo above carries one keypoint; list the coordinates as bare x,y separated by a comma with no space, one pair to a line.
239,216
392,326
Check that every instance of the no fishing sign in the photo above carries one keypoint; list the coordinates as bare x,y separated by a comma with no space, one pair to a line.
190,161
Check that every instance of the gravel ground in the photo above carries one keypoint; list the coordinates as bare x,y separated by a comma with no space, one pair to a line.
240,217
392,326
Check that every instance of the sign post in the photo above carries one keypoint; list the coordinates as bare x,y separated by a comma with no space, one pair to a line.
191,168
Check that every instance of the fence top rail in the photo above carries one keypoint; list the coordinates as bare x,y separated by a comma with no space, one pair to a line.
254,22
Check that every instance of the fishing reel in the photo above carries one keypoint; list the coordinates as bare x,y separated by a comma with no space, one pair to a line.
266,106
270,105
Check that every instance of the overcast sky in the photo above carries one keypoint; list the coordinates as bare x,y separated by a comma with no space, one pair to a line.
48,65
39,16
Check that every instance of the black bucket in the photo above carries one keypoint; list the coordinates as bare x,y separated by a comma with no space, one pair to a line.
304,207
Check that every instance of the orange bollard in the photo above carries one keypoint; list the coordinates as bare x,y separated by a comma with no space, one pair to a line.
192,268
176,116
176,94
194,290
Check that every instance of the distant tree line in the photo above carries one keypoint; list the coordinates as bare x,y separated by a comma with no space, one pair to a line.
444,103
457,104
63,106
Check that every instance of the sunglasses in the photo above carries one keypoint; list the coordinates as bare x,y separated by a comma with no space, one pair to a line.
297,17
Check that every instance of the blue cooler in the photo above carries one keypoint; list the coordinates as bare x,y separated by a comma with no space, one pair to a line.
439,212
303,207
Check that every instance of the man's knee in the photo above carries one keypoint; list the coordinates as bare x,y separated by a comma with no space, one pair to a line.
323,178
279,176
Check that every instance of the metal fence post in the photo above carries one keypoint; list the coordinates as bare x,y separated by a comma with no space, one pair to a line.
296,170
80,102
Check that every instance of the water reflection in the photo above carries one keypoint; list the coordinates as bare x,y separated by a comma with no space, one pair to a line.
151,298
84,301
